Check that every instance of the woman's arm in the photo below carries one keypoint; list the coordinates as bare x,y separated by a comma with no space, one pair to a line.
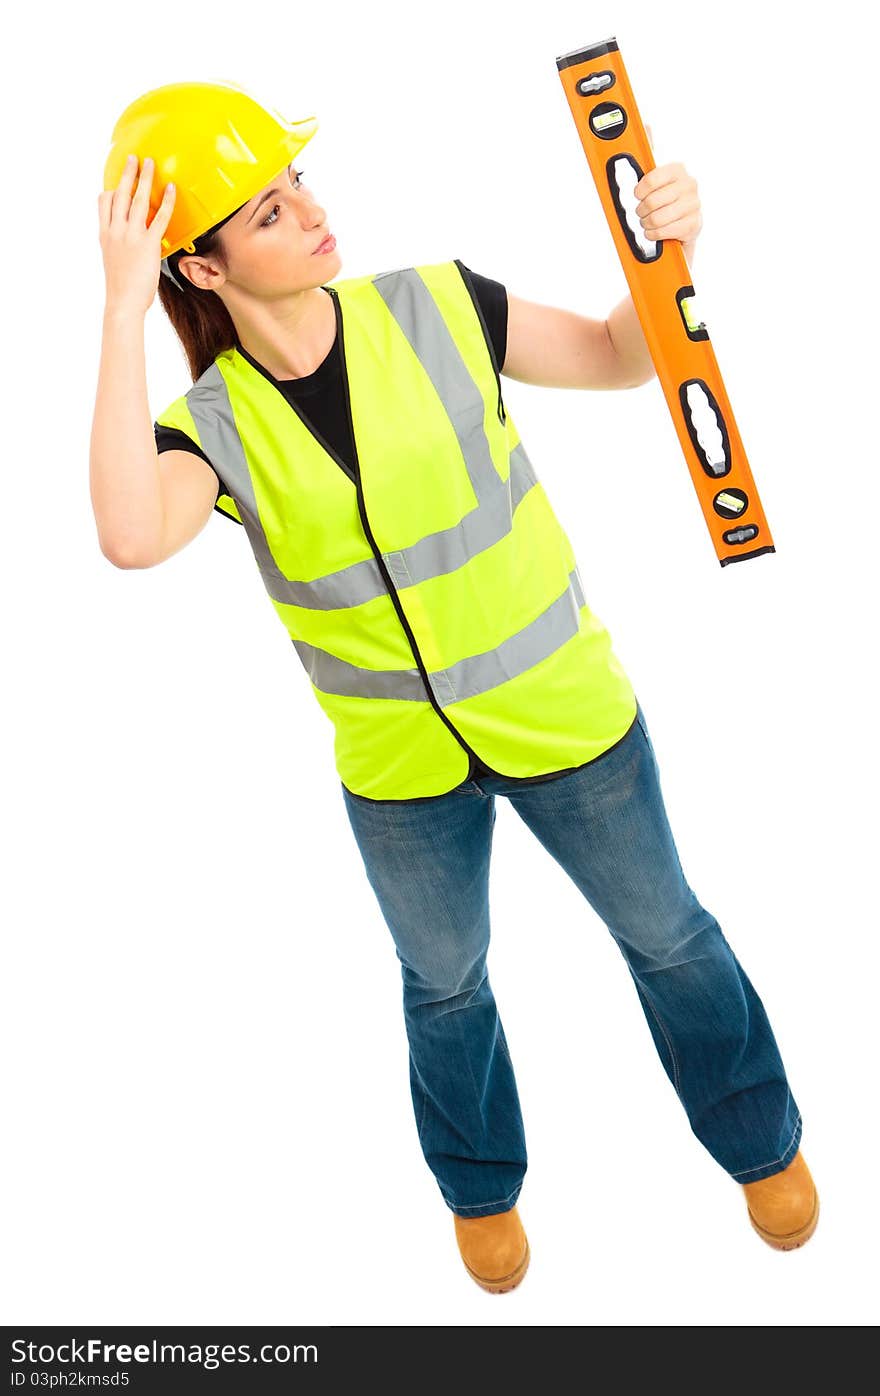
556,348
123,461
143,511
147,505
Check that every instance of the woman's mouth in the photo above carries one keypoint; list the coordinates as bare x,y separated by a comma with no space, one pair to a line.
326,246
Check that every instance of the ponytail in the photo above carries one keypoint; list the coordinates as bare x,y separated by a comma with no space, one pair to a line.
199,318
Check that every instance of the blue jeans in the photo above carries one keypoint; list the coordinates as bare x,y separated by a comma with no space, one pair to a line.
606,825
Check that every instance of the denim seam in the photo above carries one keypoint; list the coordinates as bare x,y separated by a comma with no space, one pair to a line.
472,1206
424,1110
666,1039
502,1043
758,1166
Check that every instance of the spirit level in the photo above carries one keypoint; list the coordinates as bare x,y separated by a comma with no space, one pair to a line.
616,145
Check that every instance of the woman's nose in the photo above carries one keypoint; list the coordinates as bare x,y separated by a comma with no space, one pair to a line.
313,214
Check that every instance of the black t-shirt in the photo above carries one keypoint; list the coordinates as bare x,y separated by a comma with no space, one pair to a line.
320,398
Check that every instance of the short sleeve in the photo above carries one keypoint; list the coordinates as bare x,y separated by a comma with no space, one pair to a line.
175,430
492,296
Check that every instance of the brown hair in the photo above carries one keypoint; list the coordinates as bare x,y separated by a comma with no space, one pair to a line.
199,318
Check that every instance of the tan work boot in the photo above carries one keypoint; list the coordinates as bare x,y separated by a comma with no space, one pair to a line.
784,1208
495,1249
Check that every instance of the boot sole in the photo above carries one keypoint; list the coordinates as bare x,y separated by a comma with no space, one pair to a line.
792,1239
504,1282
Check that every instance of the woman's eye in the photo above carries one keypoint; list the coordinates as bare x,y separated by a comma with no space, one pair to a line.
272,217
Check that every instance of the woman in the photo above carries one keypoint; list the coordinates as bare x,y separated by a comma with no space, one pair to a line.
359,435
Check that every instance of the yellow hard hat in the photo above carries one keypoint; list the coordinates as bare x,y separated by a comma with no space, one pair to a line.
215,141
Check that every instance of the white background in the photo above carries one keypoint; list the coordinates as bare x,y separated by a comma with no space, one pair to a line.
206,1083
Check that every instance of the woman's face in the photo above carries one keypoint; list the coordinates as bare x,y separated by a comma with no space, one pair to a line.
270,242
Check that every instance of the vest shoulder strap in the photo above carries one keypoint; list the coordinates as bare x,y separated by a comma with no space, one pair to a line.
178,415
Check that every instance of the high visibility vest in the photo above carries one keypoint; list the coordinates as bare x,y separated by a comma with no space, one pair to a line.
435,600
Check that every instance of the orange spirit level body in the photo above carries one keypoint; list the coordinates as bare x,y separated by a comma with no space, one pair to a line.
618,153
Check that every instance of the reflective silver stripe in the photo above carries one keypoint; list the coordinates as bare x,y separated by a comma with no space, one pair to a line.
421,320
419,317
333,675
211,409
450,548
475,674
536,641
432,556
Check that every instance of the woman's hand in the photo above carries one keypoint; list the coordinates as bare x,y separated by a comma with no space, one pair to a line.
670,205
132,251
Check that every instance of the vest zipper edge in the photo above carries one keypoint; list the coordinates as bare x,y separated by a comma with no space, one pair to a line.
392,590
